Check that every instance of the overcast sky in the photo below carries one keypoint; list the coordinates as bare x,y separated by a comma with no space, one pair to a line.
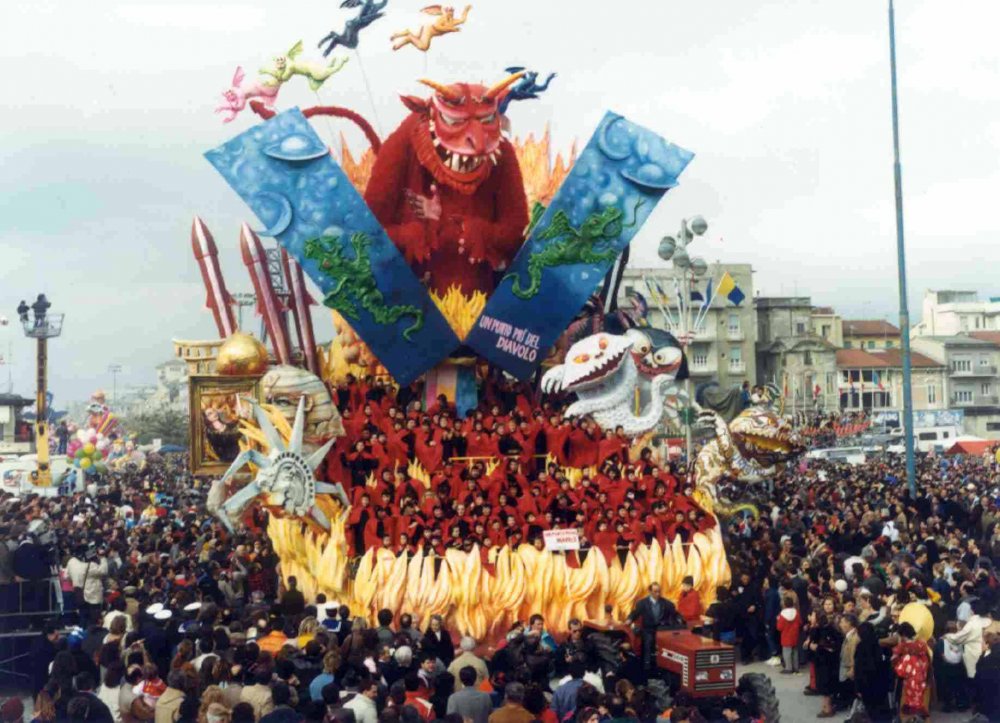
108,109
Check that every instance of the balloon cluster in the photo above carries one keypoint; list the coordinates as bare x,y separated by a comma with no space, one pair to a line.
88,450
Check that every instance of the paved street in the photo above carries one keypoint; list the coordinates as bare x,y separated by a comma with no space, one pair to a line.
796,707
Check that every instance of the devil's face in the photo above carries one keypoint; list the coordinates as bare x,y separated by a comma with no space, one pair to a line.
466,127
461,126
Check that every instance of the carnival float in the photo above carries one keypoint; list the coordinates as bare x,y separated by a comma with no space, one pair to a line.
449,254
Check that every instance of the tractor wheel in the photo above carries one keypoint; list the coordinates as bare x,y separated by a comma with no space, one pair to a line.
757,690
660,692
604,649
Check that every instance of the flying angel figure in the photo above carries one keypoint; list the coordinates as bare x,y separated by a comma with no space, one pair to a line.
446,23
286,479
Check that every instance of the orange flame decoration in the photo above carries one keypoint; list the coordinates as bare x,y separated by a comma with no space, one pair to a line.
483,600
542,177
359,172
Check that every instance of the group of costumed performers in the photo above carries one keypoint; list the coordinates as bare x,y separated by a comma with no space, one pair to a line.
500,476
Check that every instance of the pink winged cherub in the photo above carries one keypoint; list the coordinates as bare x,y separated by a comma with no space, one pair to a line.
237,96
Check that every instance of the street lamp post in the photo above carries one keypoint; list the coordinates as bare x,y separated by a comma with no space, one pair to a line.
115,370
904,311
41,326
685,271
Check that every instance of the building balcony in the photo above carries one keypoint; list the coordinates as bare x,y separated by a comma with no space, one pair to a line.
980,370
735,334
705,332
737,367
702,370
977,400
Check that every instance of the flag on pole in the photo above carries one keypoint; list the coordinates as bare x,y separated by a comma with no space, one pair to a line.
708,296
729,289
878,381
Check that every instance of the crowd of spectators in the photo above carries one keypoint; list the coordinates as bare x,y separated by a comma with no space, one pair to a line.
182,621
821,578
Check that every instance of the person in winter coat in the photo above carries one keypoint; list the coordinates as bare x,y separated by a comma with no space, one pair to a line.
872,675
970,637
987,683
789,627
772,606
824,648
689,604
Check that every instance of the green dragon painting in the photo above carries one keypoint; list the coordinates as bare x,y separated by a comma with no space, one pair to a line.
592,243
355,282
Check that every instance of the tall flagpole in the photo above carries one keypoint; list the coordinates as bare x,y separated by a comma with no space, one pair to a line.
904,312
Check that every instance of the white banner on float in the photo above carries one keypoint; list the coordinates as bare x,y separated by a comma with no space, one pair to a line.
557,540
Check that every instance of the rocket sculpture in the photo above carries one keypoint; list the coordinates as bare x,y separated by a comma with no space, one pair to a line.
218,300
268,304
300,301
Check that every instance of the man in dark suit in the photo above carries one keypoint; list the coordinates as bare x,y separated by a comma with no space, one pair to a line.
650,614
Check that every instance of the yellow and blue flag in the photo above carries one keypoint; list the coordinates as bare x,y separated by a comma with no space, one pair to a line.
729,289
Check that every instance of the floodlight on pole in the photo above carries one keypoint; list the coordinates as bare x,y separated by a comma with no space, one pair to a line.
41,326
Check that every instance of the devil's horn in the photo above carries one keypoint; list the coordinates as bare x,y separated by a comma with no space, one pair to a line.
500,87
443,90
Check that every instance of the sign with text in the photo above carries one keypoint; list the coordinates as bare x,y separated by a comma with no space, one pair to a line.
561,540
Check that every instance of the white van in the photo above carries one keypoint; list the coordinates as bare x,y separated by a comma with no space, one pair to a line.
850,455
936,439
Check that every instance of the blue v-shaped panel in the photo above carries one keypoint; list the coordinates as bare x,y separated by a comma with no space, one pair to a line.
285,173
618,179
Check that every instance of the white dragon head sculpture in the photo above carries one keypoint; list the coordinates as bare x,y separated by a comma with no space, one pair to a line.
601,370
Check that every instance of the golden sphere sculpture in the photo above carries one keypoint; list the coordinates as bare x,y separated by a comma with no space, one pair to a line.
241,355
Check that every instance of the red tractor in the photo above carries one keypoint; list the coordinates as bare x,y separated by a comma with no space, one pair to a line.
701,668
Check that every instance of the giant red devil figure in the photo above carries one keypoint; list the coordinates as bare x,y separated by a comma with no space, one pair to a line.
447,187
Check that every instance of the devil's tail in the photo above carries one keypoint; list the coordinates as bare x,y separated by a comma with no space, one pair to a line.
329,110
